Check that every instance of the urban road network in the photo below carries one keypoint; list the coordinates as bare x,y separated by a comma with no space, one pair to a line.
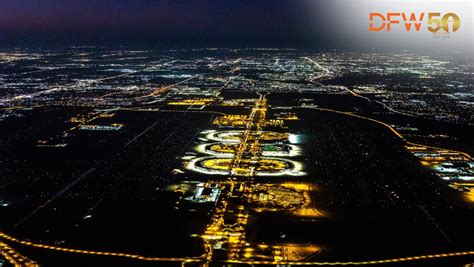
238,184
244,140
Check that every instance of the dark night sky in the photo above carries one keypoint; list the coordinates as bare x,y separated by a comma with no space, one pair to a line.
186,22
319,24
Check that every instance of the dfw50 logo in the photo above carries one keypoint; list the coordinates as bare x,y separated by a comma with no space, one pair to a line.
436,22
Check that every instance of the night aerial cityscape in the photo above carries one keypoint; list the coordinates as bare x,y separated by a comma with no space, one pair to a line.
235,133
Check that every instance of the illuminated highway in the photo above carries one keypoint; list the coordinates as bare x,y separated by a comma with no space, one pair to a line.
255,123
19,260
15,258
88,252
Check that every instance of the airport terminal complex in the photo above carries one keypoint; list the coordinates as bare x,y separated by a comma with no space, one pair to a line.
235,157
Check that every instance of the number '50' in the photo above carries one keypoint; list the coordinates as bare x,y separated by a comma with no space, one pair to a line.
435,24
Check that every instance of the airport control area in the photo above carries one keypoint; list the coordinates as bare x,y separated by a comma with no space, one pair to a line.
235,157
